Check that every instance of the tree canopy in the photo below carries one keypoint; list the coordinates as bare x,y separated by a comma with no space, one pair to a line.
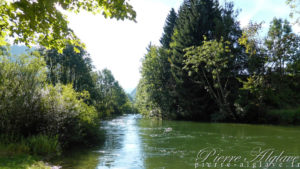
42,22
169,29
294,5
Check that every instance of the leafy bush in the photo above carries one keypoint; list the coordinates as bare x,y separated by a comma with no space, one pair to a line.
66,114
21,80
28,106
284,116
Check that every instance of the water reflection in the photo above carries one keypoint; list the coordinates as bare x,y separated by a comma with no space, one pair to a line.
122,148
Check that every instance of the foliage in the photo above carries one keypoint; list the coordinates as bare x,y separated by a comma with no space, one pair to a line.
106,95
67,115
211,61
166,38
35,145
70,67
114,100
153,97
284,116
254,48
214,71
42,108
294,5
40,117
282,45
21,81
168,87
43,22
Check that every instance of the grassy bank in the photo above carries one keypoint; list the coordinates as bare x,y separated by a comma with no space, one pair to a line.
27,153
24,161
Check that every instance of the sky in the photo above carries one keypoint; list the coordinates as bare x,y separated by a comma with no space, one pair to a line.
120,45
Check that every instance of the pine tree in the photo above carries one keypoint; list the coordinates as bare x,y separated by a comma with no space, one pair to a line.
196,19
168,29
170,91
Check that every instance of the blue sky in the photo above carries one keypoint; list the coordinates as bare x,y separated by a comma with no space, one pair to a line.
120,45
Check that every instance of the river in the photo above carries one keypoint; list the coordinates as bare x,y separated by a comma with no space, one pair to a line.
132,142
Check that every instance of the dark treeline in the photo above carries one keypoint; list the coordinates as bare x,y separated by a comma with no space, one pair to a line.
51,101
209,69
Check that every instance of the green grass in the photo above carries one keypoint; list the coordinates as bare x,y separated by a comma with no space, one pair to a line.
24,161
35,145
27,153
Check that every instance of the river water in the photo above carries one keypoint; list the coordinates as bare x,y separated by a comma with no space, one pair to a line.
132,142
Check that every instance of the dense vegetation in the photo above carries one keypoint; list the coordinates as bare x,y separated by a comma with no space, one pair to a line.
212,70
52,102
58,95
51,99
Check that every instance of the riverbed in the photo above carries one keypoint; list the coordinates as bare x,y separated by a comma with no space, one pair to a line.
133,142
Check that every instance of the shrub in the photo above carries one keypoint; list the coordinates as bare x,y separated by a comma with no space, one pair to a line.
28,106
284,116
66,114
20,83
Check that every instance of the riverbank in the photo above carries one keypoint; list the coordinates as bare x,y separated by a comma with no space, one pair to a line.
24,161
27,153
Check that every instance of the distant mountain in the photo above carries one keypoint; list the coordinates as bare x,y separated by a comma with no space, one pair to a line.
133,93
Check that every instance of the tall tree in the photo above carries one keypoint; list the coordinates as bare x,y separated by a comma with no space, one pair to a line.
114,100
198,18
154,89
214,62
254,51
281,44
70,67
168,29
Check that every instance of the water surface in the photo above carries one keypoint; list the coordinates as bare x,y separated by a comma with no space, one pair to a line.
136,143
